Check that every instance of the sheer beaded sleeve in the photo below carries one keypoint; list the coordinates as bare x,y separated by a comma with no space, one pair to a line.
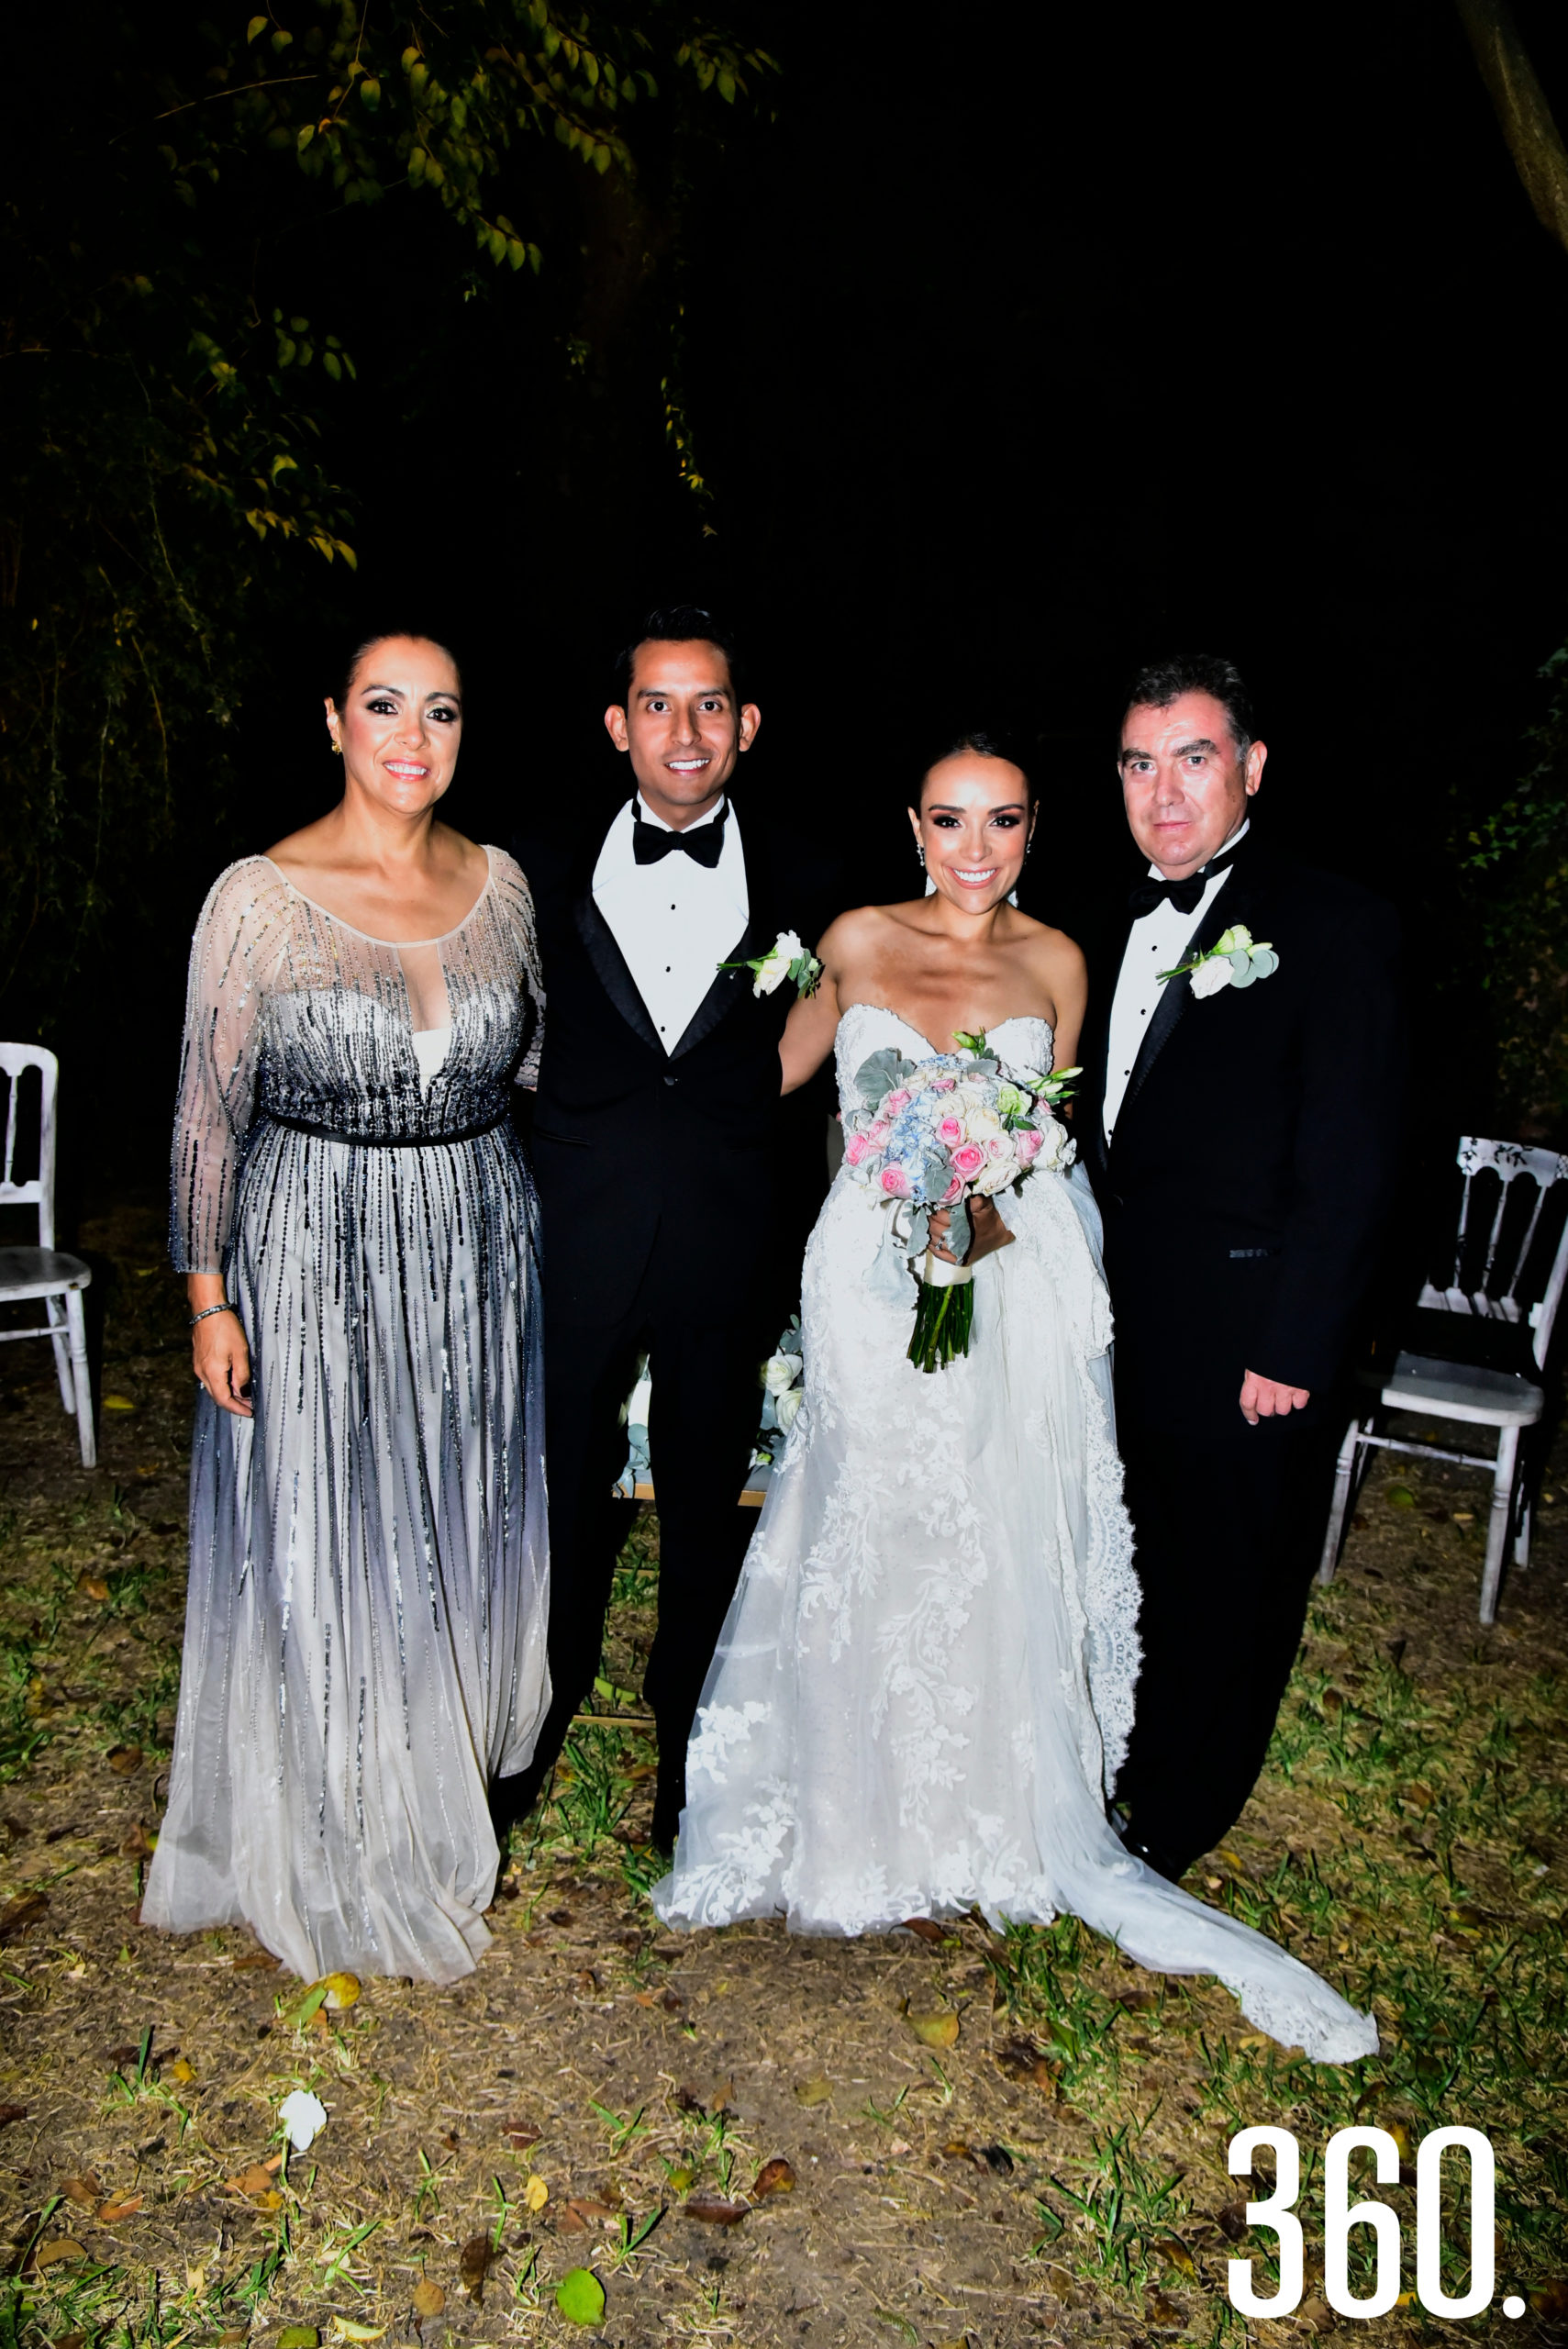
240,939
533,977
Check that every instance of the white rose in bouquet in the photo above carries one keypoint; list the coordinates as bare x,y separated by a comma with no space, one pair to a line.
779,1373
786,1406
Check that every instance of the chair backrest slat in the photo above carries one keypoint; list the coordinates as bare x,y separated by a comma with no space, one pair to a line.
40,1191
1497,1294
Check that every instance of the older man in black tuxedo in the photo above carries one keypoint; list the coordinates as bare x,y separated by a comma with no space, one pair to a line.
1241,1139
671,1178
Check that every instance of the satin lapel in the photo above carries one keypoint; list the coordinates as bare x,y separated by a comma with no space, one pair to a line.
732,988
613,971
1233,904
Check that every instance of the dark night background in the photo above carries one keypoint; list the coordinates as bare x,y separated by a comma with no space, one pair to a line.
1019,346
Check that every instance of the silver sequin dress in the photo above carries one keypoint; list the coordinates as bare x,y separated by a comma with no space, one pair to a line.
365,1629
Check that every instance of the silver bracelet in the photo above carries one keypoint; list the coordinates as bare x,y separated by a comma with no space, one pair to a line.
207,1311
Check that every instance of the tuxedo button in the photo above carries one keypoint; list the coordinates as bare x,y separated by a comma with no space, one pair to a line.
672,1080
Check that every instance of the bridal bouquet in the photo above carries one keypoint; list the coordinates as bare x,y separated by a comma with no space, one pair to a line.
937,1133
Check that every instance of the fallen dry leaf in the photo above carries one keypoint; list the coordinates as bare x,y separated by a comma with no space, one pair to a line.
536,2194
569,2220
1162,2313
58,2248
342,1990
715,2210
19,1914
260,1959
428,2298
347,2328
9,2112
1021,2059
1175,2253
119,1403
183,2071
937,2030
1233,2221
776,2177
92,1587
1317,2314
1550,2300
85,2191
125,1761
138,1844
814,2091
927,1928
255,2179
111,2214
521,2134
473,2265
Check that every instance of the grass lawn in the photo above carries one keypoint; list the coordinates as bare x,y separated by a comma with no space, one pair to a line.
937,2137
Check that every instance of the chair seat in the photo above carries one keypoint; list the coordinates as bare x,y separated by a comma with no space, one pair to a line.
39,1272
1493,1398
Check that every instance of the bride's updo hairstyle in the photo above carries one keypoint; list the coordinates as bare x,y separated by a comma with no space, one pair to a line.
367,645
990,743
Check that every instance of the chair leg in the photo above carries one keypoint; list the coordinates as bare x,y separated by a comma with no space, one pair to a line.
81,1378
1499,1519
1344,1484
54,1310
1521,1538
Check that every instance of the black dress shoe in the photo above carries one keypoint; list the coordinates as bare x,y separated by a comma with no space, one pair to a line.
1160,1861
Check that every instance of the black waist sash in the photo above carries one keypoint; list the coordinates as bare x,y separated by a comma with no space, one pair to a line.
389,1141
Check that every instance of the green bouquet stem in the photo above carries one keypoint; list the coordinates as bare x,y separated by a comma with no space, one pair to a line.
944,1315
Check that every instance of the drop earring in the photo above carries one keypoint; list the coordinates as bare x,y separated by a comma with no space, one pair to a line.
920,852
336,748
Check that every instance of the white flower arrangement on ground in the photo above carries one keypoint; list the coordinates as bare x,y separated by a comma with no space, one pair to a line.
783,1391
936,1133
1236,960
786,958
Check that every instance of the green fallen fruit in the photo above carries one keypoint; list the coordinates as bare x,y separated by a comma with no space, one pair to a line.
579,2296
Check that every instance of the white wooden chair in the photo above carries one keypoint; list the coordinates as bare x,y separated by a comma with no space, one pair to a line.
44,1272
1488,1275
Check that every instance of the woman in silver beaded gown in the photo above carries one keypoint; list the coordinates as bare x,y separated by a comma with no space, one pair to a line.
365,1630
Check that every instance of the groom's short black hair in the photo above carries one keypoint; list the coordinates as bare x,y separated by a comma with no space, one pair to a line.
1160,683
676,623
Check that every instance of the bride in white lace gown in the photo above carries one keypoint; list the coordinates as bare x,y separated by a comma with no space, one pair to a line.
924,1688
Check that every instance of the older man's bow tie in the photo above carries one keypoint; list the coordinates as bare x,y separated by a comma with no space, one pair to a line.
704,842
1184,895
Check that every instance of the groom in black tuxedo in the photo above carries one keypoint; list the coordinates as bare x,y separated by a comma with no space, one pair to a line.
1241,1141
671,1177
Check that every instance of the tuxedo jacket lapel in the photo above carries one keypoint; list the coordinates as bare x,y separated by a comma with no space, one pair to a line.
611,967
731,987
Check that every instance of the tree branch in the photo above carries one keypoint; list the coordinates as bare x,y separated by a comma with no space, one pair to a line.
1534,140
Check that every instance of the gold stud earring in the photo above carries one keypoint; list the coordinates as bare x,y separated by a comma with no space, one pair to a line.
337,748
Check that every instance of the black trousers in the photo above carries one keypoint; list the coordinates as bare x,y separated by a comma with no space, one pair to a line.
706,1402
1229,1523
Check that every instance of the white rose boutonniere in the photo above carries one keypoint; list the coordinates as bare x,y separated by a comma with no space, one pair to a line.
1236,959
786,958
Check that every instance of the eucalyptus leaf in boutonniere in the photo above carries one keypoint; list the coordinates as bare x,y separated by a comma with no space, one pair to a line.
1235,960
786,958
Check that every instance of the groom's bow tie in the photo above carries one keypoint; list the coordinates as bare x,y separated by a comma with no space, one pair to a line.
704,842
1184,895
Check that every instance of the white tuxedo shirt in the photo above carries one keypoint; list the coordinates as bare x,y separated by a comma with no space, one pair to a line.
675,921
1157,941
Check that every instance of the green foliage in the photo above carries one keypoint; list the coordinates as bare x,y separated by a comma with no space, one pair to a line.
1518,861
171,397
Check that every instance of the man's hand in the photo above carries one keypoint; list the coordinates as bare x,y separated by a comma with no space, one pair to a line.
1265,1398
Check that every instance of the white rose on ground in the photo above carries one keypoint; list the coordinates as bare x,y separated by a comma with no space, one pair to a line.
1210,976
779,1373
786,1407
304,2117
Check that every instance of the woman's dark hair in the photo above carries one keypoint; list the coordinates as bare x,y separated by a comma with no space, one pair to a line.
1160,683
982,742
351,668
676,623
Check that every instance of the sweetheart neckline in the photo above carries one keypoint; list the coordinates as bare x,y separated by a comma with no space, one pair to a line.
925,1040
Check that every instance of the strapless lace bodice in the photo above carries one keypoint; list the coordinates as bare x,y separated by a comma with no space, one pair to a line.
1020,1043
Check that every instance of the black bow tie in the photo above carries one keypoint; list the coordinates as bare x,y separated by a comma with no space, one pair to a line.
1184,895
704,842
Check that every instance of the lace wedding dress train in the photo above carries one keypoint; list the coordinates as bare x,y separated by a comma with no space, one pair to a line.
924,1688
